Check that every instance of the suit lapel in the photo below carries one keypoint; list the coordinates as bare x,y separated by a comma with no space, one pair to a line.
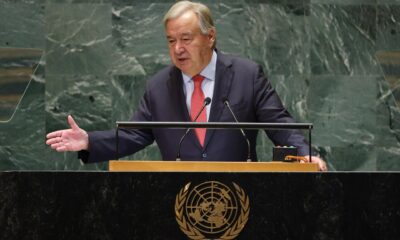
177,95
223,81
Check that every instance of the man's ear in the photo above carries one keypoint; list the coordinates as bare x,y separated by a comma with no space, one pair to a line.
212,36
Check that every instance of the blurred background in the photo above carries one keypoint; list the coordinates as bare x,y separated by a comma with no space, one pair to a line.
335,63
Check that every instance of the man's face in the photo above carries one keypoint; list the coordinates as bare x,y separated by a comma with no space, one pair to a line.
189,49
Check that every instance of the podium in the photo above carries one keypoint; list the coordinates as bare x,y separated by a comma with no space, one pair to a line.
194,166
148,205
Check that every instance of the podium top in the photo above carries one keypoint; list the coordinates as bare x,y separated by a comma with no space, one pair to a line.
193,166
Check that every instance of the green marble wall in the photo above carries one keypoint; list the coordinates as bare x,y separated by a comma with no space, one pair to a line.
335,63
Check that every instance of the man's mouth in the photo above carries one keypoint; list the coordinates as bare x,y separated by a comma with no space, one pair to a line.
181,60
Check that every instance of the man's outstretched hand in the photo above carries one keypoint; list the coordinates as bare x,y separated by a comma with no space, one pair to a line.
73,139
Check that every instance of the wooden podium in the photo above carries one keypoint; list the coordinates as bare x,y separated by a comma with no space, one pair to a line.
192,166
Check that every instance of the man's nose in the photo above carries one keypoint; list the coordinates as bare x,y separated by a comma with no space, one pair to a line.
179,47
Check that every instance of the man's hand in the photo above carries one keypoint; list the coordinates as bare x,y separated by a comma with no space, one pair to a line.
321,163
73,139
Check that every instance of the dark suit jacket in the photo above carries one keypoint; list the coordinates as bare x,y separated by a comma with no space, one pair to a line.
252,99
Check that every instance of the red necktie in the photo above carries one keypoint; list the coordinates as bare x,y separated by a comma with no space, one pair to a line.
196,104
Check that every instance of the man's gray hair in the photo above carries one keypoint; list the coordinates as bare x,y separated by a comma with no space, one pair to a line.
202,11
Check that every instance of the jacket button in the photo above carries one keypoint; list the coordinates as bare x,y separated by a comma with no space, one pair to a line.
204,155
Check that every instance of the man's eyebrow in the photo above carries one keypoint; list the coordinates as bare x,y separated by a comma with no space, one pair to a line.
185,34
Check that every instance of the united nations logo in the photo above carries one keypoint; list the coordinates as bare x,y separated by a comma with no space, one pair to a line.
212,210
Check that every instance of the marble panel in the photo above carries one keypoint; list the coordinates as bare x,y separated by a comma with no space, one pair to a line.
126,92
273,35
78,1
22,137
393,2
17,66
345,2
139,38
342,109
78,38
87,98
350,158
22,25
24,1
388,27
343,39
388,157
389,94
388,115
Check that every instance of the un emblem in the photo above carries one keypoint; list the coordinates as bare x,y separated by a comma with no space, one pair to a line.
212,210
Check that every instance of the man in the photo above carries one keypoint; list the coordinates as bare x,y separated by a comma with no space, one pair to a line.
177,92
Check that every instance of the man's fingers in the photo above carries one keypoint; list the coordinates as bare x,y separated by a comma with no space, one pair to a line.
55,134
61,149
56,145
58,142
67,139
72,123
53,140
59,133
324,168
321,163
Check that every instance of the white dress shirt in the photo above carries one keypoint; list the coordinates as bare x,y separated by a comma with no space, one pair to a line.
207,85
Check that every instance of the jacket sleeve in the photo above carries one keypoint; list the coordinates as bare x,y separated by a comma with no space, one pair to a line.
269,108
102,144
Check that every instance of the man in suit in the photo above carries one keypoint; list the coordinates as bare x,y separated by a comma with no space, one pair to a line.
177,93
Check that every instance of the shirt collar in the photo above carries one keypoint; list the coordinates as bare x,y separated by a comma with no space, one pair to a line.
208,72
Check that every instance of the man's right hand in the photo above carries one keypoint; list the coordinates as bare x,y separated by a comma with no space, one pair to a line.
73,139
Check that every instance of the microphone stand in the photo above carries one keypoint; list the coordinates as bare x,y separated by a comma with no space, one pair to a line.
226,102
206,102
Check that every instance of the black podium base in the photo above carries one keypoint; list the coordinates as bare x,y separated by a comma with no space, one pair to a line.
105,205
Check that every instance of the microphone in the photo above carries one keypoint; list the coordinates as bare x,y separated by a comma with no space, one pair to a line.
205,103
226,102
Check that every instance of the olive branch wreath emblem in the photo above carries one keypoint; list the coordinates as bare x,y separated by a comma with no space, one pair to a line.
194,233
